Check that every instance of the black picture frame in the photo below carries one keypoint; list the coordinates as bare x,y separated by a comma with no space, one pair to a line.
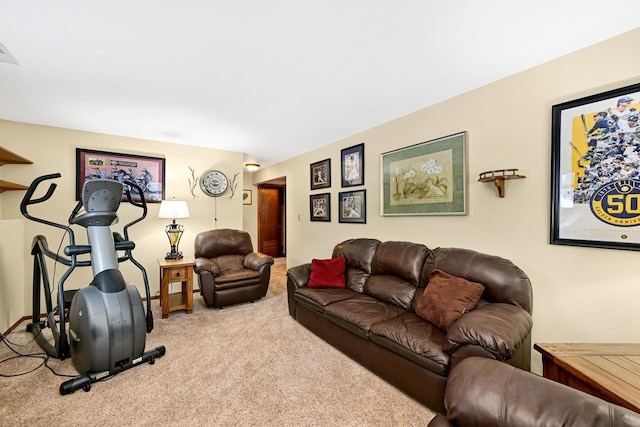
320,174
320,207
352,165
146,171
595,164
352,207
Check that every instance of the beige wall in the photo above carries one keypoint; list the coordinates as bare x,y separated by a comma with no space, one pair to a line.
580,294
250,212
53,150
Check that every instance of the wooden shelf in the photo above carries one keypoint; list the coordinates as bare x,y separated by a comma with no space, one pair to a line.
9,157
6,185
499,176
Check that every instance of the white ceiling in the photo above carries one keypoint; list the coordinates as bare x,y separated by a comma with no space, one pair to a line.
272,79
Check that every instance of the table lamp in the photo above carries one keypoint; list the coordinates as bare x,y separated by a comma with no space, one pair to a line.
174,209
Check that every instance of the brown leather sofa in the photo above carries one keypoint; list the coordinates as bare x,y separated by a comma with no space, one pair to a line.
485,393
228,269
373,319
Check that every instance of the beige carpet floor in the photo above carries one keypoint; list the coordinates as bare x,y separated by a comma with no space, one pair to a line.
244,365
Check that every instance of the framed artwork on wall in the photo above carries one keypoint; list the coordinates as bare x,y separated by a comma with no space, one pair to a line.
320,174
595,164
352,165
320,207
246,197
425,179
353,206
148,172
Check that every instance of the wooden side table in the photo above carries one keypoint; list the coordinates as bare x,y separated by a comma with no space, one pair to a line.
608,371
176,271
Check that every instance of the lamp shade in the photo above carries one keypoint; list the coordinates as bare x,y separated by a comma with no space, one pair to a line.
173,209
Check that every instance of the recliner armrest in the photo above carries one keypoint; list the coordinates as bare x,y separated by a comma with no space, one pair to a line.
205,264
255,260
499,328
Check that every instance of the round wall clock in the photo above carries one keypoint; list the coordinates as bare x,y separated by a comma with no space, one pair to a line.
214,183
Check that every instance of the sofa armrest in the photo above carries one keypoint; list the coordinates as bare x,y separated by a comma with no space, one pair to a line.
483,392
205,264
439,421
255,260
499,328
298,276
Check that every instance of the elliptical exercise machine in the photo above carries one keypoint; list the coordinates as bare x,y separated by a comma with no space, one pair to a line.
107,322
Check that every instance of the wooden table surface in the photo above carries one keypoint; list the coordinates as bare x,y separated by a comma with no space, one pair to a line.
609,371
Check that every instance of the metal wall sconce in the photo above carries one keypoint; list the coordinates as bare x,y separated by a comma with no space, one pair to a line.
498,177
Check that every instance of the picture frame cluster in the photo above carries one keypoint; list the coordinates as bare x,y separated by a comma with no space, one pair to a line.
352,205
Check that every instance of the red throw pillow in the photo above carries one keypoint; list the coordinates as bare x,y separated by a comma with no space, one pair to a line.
327,273
447,298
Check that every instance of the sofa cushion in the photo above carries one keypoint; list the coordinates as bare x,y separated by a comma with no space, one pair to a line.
402,259
327,273
360,313
359,255
358,252
390,289
447,298
503,281
318,298
413,338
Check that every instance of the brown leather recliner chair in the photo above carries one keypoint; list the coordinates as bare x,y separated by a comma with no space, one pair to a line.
229,271
482,392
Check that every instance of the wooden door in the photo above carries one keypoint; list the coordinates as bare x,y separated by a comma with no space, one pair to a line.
270,220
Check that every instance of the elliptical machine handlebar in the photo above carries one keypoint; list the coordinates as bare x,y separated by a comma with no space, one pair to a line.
29,200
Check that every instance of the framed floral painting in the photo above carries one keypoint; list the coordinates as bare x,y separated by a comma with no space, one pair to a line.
425,179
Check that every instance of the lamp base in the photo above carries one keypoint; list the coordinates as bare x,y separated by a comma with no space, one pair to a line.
173,255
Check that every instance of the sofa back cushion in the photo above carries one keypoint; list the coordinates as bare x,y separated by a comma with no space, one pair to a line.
358,254
396,271
503,281
402,259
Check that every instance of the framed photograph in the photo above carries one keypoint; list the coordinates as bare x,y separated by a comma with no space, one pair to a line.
320,173
595,166
246,197
353,206
425,179
147,172
352,165
320,207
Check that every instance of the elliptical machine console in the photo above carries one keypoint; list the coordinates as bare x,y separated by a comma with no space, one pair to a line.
107,321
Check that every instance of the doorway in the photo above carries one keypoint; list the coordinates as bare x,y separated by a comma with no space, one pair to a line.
272,217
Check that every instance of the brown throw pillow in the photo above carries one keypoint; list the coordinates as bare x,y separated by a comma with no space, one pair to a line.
447,298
